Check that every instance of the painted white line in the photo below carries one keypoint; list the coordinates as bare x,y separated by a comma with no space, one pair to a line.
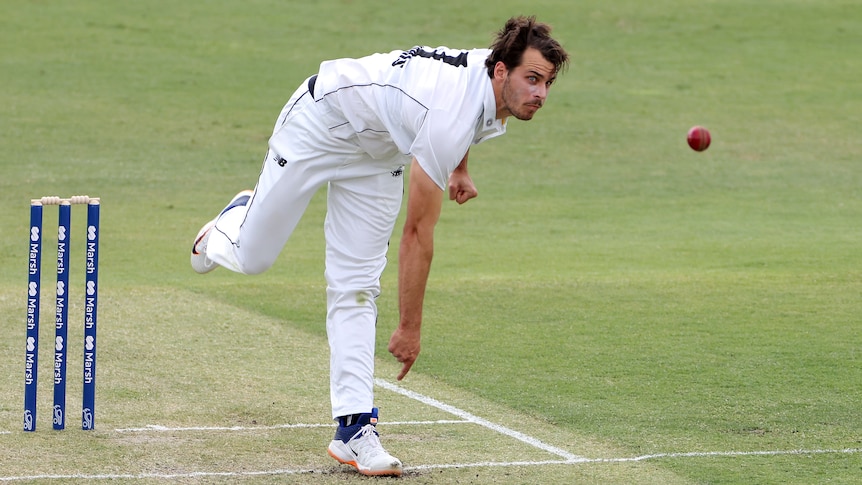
655,456
480,421
167,429
728,454
487,464
162,476
494,464
439,421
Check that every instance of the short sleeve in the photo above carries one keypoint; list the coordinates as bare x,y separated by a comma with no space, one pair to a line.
441,144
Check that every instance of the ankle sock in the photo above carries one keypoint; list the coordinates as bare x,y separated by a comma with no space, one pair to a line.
351,424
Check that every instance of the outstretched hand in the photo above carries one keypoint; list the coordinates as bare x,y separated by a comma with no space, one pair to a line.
404,346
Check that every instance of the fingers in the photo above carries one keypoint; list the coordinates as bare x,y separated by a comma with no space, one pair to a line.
405,369
462,193
464,196
404,346
407,363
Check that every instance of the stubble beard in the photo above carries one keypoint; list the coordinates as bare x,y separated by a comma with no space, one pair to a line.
518,111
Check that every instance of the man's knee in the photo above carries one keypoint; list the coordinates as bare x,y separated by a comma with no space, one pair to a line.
255,264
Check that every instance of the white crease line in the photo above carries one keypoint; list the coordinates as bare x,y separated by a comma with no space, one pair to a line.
480,421
439,421
167,429
654,456
162,476
488,464
707,454
491,464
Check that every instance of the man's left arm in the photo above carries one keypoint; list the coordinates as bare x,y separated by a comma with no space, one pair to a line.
424,201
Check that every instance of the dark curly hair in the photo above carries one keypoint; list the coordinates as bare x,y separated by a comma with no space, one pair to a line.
516,36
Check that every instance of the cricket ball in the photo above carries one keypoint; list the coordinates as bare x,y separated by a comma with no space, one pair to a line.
698,138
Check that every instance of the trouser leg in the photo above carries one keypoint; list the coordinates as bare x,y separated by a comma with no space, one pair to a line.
359,222
248,239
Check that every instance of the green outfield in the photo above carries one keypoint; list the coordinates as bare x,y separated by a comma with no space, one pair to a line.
613,308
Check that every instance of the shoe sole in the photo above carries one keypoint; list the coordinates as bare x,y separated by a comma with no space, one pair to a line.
208,227
200,237
197,254
396,472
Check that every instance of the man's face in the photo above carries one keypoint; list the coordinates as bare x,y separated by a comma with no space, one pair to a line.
525,87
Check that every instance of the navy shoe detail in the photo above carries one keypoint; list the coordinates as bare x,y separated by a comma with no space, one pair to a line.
243,200
345,432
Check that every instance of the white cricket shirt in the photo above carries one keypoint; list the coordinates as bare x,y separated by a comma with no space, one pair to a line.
428,103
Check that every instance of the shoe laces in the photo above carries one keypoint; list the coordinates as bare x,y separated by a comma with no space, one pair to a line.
367,442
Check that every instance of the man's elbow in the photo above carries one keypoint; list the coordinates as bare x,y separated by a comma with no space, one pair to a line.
416,236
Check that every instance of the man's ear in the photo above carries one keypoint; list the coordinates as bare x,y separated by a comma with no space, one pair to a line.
500,70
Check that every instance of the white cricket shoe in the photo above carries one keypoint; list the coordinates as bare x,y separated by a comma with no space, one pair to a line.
200,262
363,450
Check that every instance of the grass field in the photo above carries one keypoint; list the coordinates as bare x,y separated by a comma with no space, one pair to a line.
613,308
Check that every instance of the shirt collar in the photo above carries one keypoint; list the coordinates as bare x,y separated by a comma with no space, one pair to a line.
489,126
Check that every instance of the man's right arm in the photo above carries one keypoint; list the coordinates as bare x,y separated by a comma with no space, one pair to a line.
424,201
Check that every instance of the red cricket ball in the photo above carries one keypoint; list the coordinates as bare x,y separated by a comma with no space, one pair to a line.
698,138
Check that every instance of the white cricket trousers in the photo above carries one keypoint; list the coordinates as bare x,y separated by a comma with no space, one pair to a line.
364,198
